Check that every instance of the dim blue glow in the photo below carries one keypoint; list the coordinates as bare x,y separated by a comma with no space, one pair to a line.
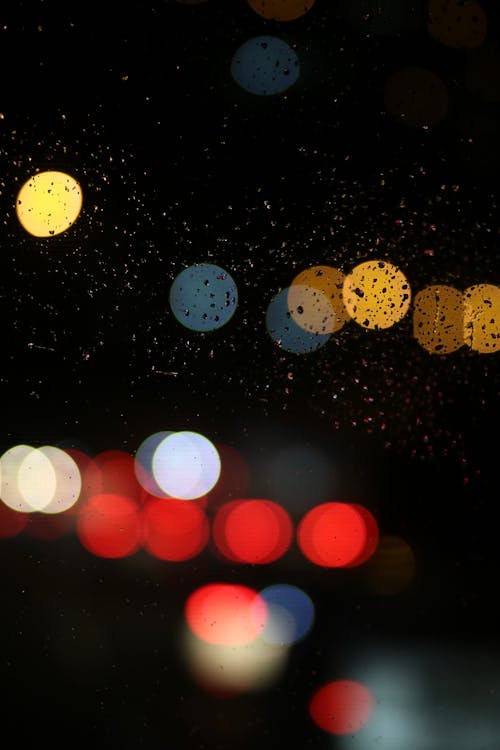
203,297
265,65
284,330
290,614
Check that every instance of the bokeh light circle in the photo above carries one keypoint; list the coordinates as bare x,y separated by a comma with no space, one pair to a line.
109,525
290,614
228,670
174,530
376,294
143,463
252,531
337,535
10,462
438,319
186,465
341,707
482,318
265,65
315,299
227,614
286,333
49,203
203,297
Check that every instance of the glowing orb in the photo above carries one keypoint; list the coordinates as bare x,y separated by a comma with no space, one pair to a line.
36,479
49,203
315,299
281,10
438,319
174,530
482,318
341,707
186,465
252,531
49,480
143,463
337,535
228,670
416,97
290,614
109,526
203,297
226,614
376,294
310,309
286,333
265,65
117,473
10,492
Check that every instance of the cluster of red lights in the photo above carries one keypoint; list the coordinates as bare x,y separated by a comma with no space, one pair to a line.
115,516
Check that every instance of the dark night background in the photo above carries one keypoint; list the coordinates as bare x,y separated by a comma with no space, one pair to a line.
180,165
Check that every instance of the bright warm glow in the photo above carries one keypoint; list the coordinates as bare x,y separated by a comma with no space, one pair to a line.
116,472
338,535
226,670
173,529
438,319
10,463
36,479
376,294
109,525
226,614
49,480
315,299
252,531
482,318
49,203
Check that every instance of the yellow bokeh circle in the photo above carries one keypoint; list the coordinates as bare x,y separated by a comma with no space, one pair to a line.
376,294
49,203
482,318
438,319
316,293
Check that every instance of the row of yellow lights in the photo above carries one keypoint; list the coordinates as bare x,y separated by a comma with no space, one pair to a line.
376,294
